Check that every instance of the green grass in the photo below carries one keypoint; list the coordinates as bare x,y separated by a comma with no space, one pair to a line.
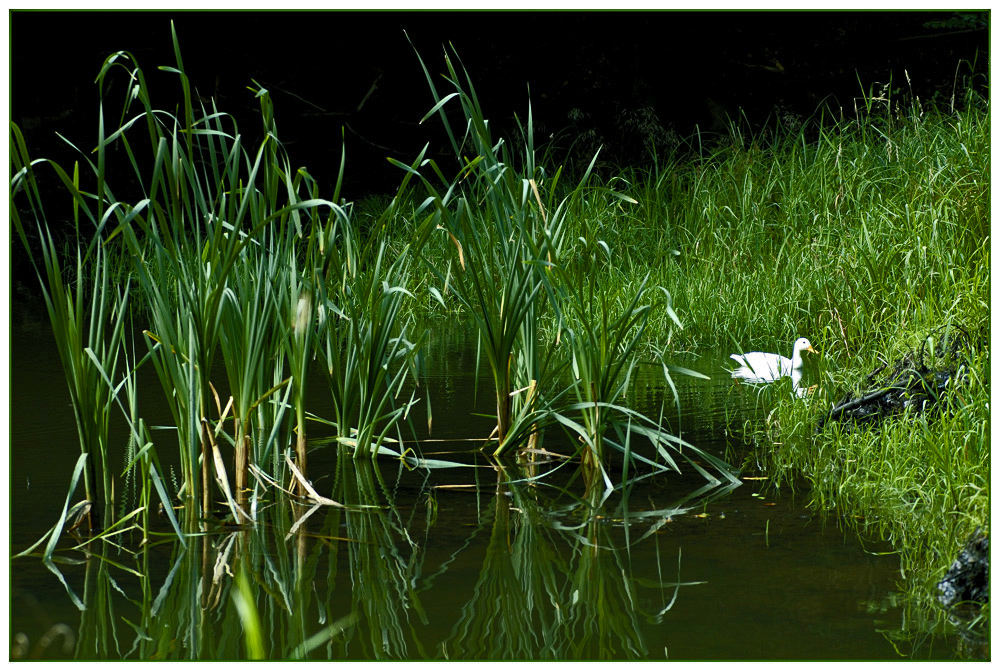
863,234
866,236
919,480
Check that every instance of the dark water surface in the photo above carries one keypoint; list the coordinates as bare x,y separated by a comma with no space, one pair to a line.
469,562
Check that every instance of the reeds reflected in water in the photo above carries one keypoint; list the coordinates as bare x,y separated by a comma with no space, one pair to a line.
374,576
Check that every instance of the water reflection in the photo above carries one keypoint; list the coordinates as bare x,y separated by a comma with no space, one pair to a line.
535,572
554,583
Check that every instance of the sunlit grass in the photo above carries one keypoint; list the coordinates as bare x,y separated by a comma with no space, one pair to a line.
865,235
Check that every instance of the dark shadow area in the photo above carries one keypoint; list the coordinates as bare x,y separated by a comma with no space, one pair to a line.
627,81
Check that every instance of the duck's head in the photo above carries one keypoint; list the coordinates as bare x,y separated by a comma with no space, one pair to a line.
803,345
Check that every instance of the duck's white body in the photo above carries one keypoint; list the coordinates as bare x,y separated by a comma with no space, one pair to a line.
764,367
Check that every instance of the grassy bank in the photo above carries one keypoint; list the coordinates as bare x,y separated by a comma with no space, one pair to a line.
868,239
868,236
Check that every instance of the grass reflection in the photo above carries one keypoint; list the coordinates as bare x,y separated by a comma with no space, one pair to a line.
375,577
557,580
383,566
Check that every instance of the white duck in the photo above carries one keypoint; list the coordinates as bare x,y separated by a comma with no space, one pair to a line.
764,367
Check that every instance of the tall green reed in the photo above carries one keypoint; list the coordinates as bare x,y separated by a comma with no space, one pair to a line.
215,213
247,341
362,335
87,313
513,266
367,352
228,252
502,242
492,215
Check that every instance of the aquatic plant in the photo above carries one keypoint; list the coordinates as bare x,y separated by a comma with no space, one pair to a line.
187,238
494,217
512,268
87,312
230,251
363,336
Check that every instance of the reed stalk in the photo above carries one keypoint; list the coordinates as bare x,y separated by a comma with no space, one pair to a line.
503,239
87,315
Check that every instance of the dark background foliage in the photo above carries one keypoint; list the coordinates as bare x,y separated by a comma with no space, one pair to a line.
626,81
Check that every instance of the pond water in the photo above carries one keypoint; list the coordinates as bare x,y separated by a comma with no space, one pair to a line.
469,562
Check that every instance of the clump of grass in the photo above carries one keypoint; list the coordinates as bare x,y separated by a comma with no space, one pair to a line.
227,251
87,312
365,340
513,268
503,239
